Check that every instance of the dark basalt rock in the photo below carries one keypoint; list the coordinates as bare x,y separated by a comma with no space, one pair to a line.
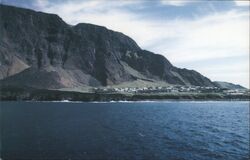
35,43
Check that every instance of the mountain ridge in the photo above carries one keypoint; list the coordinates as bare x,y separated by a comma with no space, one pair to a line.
227,85
41,50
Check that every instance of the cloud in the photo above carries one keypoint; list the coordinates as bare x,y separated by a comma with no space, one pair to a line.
175,2
41,3
215,36
242,3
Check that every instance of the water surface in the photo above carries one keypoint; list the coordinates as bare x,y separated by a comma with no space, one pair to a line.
145,130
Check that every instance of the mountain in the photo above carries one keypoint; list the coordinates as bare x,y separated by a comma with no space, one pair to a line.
40,50
226,85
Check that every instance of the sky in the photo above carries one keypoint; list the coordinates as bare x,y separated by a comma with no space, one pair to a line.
211,37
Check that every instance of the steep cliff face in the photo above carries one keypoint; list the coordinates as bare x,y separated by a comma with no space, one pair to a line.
42,51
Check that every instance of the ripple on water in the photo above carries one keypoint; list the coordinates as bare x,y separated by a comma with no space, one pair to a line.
121,130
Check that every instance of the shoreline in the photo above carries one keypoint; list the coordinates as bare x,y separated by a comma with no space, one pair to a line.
143,101
110,100
71,96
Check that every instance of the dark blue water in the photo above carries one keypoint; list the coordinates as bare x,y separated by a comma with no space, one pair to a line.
158,130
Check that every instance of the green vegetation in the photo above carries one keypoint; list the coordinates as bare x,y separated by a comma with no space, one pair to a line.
15,94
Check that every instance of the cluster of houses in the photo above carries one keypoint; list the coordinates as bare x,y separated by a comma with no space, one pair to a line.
236,92
164,89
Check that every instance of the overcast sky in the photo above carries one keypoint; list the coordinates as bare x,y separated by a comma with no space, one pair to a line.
211,37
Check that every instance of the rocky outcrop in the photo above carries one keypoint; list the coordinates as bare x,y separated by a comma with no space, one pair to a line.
40,50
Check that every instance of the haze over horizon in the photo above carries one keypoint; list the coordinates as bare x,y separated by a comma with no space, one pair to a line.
211,37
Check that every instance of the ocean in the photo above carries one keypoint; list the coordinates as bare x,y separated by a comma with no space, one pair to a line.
161,130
